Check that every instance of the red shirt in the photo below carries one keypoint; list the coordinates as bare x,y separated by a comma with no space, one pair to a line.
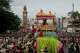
35,45
33,31
19,51
40,34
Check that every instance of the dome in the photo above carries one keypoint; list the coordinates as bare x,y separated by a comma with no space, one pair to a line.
40,13
50,13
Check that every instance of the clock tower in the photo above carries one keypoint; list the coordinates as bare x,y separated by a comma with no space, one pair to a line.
24,19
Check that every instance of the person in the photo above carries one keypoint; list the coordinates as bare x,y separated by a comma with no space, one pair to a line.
72,48
36,34
77,48
27,49
19,50
24,50
42,50
30,49
61,48
35,46
40,34
14,50
45,50
33,31
7,50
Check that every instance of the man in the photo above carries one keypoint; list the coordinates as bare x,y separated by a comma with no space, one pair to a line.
35,46
33,31
72,48
31,49
40,34
45,50
77,48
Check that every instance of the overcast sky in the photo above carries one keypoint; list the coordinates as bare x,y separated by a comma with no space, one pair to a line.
60,7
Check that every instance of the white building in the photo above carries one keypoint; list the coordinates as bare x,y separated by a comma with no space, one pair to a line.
67,25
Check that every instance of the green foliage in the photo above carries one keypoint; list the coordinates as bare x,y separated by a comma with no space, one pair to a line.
74,14
4,4
76,18
8,20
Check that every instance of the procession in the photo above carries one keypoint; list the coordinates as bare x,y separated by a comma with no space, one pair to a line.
39,26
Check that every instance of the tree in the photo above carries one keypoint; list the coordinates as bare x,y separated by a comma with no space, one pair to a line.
74,15
4,4
8,20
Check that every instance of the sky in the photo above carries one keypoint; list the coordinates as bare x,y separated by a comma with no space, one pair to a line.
58,7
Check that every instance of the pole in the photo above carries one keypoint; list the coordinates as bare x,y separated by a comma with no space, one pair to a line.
59,23
45,28
72,18
72,22
73,7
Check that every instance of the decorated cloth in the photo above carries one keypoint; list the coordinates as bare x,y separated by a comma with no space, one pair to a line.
50,34
50,42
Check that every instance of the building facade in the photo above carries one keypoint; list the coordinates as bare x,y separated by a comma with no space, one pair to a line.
71,25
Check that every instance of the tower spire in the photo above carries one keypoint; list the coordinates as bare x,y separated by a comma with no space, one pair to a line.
25,7
73,7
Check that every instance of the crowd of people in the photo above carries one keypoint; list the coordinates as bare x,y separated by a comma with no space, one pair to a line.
71,42
20,46
25,44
